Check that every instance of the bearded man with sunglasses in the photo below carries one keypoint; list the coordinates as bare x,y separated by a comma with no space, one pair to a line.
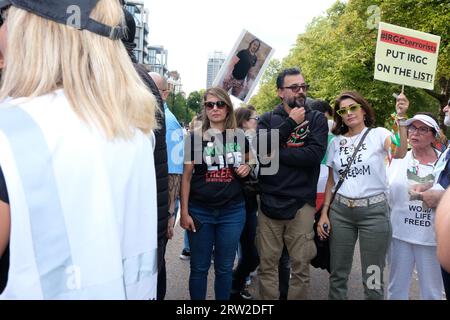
288,197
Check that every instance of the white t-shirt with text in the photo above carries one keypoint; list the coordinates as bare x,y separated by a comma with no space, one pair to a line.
367,175
411,220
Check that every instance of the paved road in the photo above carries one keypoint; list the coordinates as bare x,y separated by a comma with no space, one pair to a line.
178,275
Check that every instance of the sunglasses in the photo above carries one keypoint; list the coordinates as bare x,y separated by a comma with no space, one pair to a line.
344,111
254,118
210,105
296,87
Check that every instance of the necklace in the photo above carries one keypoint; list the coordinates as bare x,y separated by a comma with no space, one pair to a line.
353,141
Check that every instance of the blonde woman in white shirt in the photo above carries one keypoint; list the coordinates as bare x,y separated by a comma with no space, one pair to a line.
360,209
76,155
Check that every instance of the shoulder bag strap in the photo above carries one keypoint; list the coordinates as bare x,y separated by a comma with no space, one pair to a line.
350,161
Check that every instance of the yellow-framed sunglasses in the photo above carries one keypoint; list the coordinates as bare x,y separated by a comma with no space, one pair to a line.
344,111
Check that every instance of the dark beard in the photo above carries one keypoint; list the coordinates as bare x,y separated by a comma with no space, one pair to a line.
297,102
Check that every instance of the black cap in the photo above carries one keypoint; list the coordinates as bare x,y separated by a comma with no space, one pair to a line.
4,3
73,13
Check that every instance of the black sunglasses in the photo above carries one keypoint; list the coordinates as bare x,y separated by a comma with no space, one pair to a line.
210,105
296,87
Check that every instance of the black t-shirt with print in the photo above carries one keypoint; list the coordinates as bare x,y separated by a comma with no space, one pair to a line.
214,183
4,260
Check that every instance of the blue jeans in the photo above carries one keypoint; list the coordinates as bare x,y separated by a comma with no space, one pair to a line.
221,229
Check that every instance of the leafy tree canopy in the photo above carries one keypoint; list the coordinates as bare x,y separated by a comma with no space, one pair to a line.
337,53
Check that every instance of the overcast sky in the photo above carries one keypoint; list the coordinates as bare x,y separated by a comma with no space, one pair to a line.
191,30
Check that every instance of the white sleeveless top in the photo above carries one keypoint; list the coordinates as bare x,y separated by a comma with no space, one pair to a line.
83,208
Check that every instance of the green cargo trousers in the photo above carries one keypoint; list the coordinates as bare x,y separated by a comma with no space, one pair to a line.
372,225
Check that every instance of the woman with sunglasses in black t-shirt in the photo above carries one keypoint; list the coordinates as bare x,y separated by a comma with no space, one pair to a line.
212,202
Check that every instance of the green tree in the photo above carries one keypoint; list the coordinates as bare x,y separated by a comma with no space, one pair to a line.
267,98
194,102
177,104
431,16
337,52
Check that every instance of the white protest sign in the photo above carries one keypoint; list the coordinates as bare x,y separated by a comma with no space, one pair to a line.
406,56
244,66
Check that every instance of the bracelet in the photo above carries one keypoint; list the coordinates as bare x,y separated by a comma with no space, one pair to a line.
326,205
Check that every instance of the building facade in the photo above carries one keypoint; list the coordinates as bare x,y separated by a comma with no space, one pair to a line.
174,82
158,59
153,57
215,62
140,14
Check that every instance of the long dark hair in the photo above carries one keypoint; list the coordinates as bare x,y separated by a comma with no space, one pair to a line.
369,119
254,40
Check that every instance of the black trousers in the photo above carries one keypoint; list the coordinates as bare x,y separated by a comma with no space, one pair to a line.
4,267
249,259
446,280
161,284
284,274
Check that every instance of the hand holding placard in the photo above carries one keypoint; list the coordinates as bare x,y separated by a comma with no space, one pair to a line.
401,105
